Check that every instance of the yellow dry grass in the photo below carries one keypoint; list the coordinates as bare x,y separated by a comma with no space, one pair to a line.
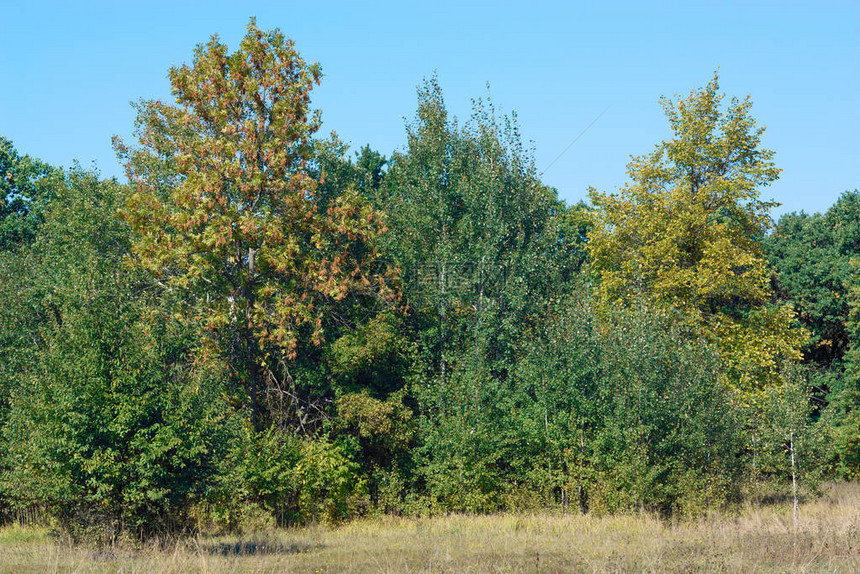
827,539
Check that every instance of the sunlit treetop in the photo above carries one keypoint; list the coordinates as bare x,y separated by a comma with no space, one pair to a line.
685,234
224,202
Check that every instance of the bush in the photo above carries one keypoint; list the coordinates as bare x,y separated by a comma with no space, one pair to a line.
109,426
608,414
275,478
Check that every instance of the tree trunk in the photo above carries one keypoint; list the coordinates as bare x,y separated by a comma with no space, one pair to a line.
252,349
793,477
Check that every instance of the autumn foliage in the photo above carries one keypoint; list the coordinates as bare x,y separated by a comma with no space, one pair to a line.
225,208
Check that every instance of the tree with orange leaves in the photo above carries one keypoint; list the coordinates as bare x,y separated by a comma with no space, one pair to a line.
226,213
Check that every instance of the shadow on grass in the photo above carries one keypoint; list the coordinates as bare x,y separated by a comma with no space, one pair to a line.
258,547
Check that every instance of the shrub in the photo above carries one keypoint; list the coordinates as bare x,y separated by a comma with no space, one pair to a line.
110,428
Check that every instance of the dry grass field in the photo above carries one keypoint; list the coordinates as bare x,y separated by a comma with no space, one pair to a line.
827,539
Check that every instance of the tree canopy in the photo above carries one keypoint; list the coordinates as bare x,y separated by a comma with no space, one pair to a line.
811,255
225,206
26,185
686,235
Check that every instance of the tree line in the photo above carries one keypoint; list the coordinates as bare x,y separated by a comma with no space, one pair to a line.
262,327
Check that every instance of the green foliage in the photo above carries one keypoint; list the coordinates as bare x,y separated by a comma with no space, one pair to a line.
375,356
385,425
459,460
812,255
789,446
686,235
329,486
259,472
290,478
483,247
382,433
108,429
604,416
26,188
482,244
335,171
480,241
433,332
632,411
845,407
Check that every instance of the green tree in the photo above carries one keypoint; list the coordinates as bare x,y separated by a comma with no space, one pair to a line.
108,427
483,246
227,211
26,186
686,235
845,400
811,255
623,411
789,445
335,171
371,165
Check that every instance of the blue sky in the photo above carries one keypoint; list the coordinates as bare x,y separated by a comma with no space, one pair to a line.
70,70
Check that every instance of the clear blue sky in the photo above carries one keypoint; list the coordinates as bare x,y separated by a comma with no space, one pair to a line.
70,70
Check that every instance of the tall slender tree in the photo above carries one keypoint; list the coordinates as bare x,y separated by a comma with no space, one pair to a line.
483,246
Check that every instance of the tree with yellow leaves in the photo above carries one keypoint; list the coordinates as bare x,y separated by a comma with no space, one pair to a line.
685,235
227,212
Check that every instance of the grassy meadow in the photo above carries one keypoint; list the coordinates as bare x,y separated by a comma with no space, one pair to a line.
754,539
